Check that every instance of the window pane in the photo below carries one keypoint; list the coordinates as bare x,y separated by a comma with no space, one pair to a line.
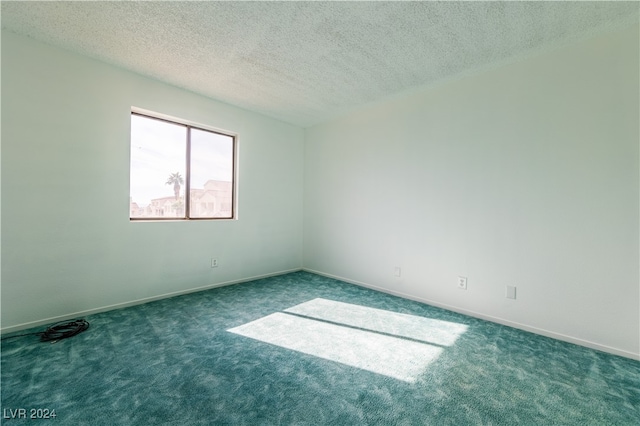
158,162
211,175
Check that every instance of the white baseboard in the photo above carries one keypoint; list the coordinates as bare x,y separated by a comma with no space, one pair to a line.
74,315
542,332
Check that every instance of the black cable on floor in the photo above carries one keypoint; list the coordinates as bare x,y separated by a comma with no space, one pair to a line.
58,331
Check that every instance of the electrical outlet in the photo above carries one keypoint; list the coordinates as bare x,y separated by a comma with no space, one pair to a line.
396,271
511,292
214,262
462,283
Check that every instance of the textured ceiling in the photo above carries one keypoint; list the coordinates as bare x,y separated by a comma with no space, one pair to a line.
305,62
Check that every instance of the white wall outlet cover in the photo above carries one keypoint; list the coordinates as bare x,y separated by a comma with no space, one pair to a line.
397,271
462,283
511,292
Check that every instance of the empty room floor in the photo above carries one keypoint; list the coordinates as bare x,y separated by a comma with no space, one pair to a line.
308,350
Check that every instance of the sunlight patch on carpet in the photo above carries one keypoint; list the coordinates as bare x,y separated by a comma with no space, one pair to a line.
428,330
397,353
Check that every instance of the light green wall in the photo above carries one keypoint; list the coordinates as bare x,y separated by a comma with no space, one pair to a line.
67,243
526,175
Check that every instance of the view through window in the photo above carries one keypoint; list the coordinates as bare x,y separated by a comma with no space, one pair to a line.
179,171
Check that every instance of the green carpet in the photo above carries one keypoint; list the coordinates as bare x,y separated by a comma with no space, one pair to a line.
301,349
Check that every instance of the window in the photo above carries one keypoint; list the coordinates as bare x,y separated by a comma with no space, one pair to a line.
180,171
